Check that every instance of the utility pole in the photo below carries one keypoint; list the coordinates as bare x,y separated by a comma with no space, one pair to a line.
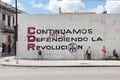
16,32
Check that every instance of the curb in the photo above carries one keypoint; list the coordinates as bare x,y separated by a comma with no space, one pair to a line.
17,65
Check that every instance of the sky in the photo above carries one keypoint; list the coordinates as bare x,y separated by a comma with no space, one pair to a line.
52,6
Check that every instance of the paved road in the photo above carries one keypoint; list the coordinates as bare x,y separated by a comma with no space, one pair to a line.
59,73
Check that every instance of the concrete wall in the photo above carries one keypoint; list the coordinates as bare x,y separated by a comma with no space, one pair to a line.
95,30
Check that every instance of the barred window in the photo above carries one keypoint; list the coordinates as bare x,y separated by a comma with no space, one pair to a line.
3,17
9,20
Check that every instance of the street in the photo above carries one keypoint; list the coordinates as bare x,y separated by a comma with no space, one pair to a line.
59,73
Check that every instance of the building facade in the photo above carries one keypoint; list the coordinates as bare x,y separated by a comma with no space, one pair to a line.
7,23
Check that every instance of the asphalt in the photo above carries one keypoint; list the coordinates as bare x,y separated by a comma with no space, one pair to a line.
11,61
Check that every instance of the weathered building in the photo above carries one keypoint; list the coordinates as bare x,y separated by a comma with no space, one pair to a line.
7,23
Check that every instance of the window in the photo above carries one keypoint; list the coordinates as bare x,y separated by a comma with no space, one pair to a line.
9,20
13,20
3,17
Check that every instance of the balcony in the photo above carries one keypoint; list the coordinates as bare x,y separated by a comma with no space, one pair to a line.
6,29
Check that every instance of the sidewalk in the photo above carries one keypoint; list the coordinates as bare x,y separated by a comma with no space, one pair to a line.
11,61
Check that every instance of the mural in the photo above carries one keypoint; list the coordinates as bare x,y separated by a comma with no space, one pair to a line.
67,36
